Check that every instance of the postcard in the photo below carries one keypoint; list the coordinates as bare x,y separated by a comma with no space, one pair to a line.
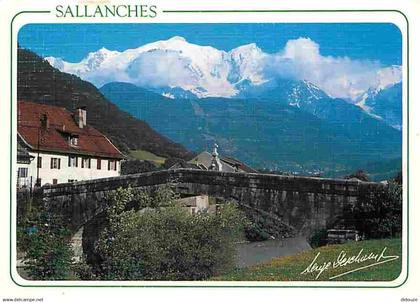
159,147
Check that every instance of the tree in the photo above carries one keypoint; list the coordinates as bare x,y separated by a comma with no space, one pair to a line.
398,178
360,175
155,239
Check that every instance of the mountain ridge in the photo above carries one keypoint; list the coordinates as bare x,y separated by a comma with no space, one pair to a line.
266,133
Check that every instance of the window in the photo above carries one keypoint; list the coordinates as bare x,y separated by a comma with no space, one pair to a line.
73,161
55,163
73,141
23,172
39,162
112,165
86,162
55,181
98,164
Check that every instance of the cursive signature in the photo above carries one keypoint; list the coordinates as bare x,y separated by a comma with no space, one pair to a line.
343,260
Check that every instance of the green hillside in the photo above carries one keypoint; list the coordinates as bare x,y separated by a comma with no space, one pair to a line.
145,155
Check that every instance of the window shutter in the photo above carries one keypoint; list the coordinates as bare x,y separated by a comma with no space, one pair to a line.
115,165
59,163
77,160
69,160
109,165
89,163
83,162
51,163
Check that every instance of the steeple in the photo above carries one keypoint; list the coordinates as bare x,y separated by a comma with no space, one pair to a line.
216,164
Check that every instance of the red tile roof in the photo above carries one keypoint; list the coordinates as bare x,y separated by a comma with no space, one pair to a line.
61,123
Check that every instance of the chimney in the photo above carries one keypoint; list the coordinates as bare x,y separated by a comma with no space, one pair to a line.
81,117
45,123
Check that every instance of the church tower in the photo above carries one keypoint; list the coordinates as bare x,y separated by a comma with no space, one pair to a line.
216,164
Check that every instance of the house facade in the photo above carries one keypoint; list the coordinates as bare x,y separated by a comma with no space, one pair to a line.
57,146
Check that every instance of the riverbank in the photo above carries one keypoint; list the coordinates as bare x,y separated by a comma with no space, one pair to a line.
370,260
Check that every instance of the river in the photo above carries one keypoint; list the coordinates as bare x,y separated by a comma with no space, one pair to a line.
251,253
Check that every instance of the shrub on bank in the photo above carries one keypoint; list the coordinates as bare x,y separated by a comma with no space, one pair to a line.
255,232
318,239
158,240
45,242
378,214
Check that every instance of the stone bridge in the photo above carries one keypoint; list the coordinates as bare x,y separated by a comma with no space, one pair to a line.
305,204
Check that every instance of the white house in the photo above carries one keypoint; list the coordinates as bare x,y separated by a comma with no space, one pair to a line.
57,146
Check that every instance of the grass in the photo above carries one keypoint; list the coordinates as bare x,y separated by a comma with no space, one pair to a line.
146,155
290,268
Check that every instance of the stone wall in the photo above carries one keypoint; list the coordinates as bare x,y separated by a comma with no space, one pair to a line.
303,203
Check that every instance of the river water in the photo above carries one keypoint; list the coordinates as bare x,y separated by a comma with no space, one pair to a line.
251,253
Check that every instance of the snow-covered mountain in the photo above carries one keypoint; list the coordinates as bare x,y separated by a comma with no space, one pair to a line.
294,93
176,67
385,104
203,70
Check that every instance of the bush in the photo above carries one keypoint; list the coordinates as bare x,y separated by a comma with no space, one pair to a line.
165,242
318,239
83,271
255,232
378,214
46,242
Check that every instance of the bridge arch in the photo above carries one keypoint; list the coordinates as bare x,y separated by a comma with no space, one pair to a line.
305,204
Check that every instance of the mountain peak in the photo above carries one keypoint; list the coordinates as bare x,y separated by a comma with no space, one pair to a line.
246,51
102,52
177,38
250,46
56,62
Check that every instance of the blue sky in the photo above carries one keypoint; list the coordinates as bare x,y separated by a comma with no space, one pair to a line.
362,41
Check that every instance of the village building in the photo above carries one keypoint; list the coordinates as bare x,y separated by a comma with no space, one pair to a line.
56,146
23,160
195,204
214,162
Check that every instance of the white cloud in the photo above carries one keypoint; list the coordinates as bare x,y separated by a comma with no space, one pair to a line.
340,77
207,71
